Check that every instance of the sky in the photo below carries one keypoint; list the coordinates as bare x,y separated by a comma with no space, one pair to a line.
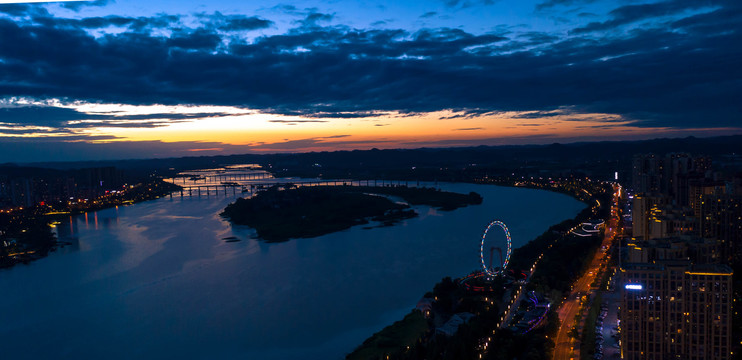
105,79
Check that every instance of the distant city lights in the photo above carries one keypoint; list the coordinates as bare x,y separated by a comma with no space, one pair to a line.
634,287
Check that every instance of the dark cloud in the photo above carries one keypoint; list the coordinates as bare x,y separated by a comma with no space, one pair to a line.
429,14
315,113
32,10
548,4
296,121
313,19
469,129
632,13
710,23
230,23
541,114
102,22
135,24
682,73
77,5
15,9
39,116
67,118
538,37
456,116
286,8
201,39
237,23
466,3
468,114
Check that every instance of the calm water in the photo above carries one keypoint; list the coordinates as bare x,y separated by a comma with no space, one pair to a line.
156,280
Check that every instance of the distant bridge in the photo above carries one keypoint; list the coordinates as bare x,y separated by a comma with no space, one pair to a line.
225,189
207,178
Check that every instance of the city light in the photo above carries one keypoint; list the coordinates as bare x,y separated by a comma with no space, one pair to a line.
634,287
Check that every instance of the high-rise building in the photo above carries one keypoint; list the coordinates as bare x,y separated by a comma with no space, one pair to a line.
654,217
30,186
721,219
697,188
671,308
648,172
695,249
644,208
669,175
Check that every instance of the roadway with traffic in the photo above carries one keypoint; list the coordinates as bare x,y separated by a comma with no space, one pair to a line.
565,349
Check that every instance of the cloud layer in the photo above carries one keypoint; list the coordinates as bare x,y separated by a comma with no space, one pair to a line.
659,64
662,69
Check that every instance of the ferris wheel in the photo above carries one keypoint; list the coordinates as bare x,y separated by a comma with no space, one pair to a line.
490,270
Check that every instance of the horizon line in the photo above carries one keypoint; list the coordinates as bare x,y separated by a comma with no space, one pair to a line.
384,149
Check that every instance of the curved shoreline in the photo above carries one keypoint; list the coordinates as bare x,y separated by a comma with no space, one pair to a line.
379,258
44,217
394,335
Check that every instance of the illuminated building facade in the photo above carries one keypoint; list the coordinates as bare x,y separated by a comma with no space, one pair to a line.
655,218
30,186
669,174
721,218
671,309
677,294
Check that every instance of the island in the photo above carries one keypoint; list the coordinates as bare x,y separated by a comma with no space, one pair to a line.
280,213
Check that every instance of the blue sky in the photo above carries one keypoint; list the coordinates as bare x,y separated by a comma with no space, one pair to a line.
472,16
129,79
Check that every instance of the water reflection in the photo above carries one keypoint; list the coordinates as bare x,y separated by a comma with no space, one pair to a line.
157,279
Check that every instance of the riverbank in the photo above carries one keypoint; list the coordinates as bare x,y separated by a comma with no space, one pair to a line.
280,214
166,258
26,233
559,262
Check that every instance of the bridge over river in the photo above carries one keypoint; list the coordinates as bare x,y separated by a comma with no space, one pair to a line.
251,182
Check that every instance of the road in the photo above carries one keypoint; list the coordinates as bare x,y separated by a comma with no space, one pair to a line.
513,304
564,349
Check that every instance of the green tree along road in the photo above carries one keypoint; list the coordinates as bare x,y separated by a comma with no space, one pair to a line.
403,334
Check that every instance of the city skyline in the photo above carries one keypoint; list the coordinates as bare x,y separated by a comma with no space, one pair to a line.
128,79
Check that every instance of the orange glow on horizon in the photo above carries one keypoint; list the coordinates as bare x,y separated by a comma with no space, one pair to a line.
222,128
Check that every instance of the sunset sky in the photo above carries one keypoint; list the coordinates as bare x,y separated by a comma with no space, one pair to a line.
160,78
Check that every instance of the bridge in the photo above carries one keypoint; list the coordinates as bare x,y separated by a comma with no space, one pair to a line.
228,187
220,177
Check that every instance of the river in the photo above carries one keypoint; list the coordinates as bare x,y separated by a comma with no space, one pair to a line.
156,280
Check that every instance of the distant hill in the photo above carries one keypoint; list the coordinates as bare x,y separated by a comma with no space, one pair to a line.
591,158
